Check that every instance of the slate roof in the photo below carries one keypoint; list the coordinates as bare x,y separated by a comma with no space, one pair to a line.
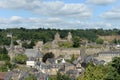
110,52
33,53
51,60
42,65
41,76
13,74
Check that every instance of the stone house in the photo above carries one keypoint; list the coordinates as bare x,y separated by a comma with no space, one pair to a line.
107,56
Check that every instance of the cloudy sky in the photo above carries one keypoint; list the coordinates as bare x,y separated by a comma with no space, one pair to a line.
60,14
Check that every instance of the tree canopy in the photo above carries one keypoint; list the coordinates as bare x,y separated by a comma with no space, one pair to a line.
47,55
48,34
110,71
4,54
113,69
20,59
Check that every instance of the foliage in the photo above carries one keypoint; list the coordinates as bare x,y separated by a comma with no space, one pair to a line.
3,51
20,59
76,42
52,78
99,41
4,57
7,66
47,55
4,54
42,34
114,70
72,58
62,76
48,34
115,41
26,45
111,71
15,43
93,72
65,44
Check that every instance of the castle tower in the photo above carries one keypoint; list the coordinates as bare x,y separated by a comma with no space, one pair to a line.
69,37
11,49
11,44
57,37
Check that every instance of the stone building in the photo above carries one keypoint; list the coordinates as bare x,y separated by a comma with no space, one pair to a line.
57,37
107,56
69,37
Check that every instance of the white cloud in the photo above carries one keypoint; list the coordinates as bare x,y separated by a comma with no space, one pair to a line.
58,23
19,4
52,9
16,19
101,2
60,9
113,14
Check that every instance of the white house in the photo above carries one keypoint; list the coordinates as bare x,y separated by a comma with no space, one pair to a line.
30,63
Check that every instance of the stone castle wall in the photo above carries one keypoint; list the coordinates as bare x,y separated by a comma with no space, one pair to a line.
110,38
95,50
77,51
59,51
63,51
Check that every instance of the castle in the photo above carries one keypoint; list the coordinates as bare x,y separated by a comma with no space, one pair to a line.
54,47
62,51
58,39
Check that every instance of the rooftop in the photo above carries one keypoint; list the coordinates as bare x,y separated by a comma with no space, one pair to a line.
33,53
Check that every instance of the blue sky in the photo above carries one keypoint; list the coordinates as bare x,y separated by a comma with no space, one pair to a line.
60,14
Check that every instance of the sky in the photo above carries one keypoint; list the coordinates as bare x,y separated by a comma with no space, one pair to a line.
60,14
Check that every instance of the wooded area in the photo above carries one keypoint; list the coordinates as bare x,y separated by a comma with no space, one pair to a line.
48,34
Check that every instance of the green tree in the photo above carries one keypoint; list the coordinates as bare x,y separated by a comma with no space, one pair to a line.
93,72
99,41
4,57
5,50
62,76
76,42
52,78
31,44
4,54
20,59
15,43
113,72
25,45
72,58
7,66
47,55
65,44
